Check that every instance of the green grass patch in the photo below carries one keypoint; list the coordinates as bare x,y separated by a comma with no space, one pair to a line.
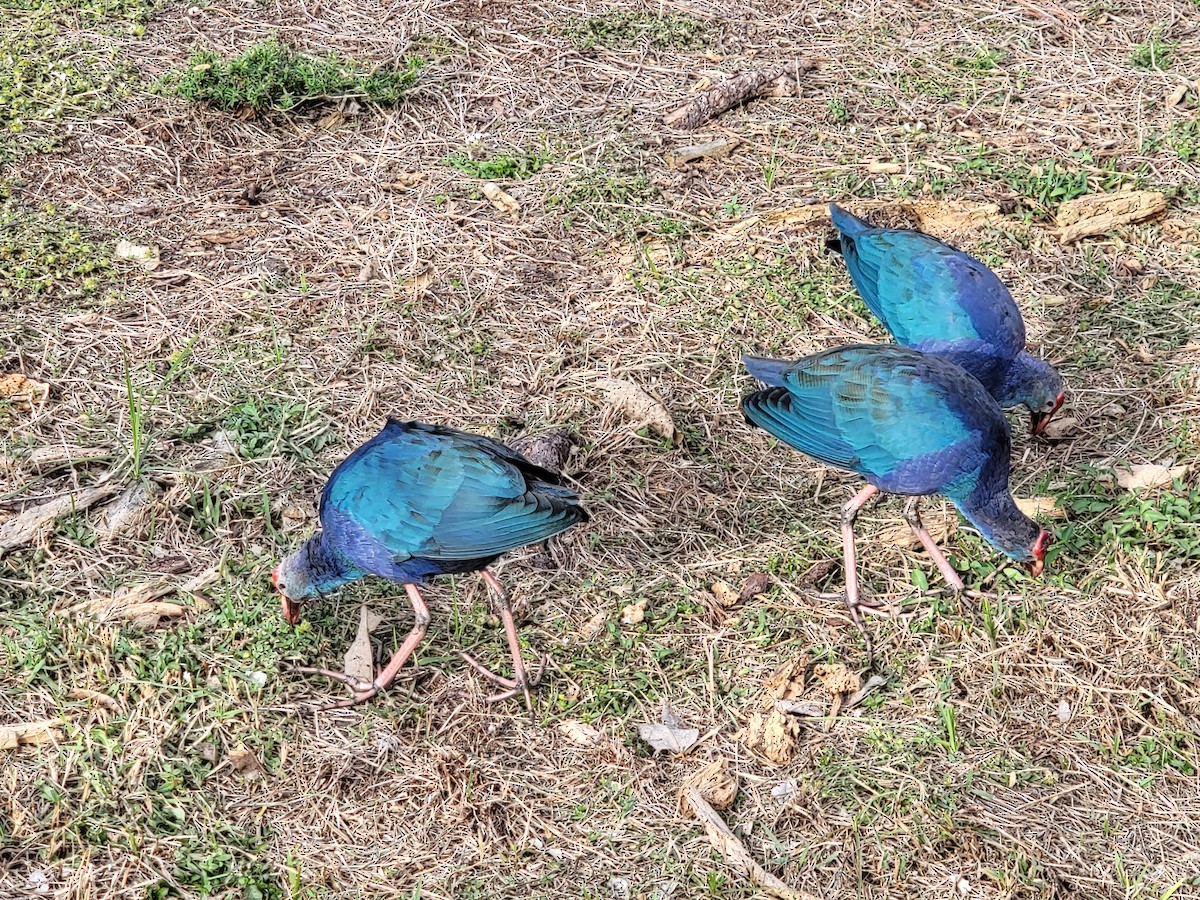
44,254
43,82
1154,54
89,12
627,28
1185,139
609,200
271,75
522,164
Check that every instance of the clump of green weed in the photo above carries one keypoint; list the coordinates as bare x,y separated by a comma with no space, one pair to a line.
609,200
1154,53
271,428
271,75
1185,138
503,165
45,254
42,83
627,28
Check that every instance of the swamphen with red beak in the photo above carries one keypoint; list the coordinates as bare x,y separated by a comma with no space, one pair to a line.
936,298
910,423
417,501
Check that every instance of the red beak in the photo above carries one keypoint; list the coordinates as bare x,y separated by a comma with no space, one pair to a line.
1038,564
291,609
1039,420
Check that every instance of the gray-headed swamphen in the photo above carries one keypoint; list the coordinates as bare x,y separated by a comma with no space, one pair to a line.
910,423
417,501
936,298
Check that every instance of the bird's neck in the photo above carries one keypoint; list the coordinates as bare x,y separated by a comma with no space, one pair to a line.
328,569
992,510
1019,381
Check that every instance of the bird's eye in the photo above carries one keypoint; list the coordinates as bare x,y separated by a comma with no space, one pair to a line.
281,585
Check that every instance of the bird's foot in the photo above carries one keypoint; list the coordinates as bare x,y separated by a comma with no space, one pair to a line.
513,687
360,691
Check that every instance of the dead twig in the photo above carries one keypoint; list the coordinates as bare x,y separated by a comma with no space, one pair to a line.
776,81
734,852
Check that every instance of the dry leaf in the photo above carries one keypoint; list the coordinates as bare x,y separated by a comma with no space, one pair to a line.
579,733
404,181
1060,427
245,763
634,613
754,585
787,682
939,522
1149,476
725,593
836,678
874,682
715,784
147,256
1039,506
772,737
417,280
1175,97
23,392
359,661
671,734
712,150
638,406
734,852
502,201
810,708
594,625
884,168
13,736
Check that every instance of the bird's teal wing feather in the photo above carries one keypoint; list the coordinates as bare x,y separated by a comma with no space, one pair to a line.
928,294
444,495
862,408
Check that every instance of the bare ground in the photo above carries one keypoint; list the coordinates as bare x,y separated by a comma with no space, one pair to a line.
1042,744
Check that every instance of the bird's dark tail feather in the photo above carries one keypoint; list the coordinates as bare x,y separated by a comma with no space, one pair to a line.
848,224
767,370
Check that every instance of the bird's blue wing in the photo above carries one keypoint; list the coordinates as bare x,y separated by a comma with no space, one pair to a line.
435,493
876,411
929,295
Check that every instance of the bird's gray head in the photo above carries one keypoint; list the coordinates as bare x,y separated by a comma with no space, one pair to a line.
293,579
1036,384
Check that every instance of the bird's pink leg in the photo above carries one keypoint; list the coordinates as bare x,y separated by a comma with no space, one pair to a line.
849,511
913,516
362,690
521,683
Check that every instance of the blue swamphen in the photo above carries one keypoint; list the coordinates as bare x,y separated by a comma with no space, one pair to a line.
935,298
910,423
417,501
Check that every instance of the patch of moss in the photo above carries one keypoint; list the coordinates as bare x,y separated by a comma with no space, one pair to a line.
271,75
45,254
42,83
627,28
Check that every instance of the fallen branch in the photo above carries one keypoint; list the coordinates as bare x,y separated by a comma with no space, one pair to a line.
734,852
1099,213
777,81
25,528
13,736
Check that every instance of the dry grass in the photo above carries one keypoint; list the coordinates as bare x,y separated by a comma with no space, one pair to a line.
311,284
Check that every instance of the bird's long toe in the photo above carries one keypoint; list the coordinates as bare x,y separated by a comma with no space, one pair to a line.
525,681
